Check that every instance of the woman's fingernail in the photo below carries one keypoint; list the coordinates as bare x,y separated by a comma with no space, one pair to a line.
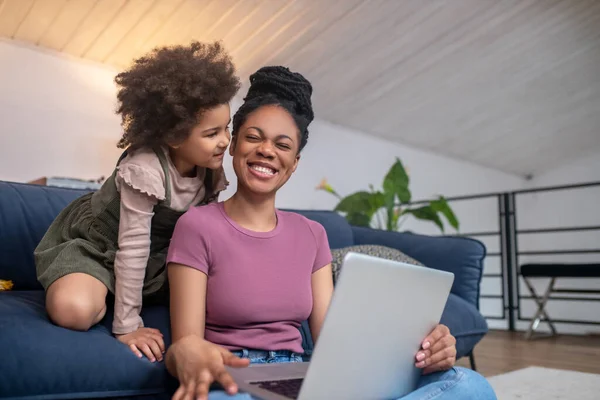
426,345
420,356
421,364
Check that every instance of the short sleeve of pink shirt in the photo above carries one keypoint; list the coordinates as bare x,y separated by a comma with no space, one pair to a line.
188,244
259,283
323,256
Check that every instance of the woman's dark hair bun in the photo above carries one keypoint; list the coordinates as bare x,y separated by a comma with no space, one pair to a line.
285,85
280,86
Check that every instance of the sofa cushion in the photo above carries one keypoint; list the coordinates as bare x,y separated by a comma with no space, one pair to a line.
43,361
26,211
459,255
465,322
339,232
371,250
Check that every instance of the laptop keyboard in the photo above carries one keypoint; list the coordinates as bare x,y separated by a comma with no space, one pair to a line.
285,387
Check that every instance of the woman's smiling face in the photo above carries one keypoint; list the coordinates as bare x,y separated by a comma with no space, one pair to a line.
265,150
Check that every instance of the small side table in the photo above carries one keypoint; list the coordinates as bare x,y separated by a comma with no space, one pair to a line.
554,271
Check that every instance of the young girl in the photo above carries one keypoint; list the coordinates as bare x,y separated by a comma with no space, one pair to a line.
174,104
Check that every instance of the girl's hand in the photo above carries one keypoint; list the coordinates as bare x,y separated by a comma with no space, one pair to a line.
145,340
196,363
438,351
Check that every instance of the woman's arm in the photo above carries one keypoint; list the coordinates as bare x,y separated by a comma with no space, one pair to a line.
195,362
322,290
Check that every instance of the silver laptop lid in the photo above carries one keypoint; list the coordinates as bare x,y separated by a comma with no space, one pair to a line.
380,312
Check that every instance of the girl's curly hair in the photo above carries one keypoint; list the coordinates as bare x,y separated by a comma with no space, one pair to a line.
166,91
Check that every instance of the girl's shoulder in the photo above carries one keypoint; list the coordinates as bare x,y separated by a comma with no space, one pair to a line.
142,170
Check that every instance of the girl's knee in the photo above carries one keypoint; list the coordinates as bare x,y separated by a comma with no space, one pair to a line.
74,307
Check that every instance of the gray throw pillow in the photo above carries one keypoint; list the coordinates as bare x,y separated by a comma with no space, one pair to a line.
371,250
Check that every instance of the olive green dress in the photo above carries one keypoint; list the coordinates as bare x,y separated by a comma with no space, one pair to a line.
84,236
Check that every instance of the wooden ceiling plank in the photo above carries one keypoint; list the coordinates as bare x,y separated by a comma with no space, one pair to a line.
170,33
229,22
14,12
118,28
39,19
284,13
352,54
92,26
64,26
295,28
255,22
283,51
405,51
206,17
126,50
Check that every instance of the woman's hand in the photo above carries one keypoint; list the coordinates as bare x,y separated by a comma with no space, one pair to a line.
196,363
145,340
438,351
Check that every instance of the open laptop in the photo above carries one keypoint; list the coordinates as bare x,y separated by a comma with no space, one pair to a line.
380,313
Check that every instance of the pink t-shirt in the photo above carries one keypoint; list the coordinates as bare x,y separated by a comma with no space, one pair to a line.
259,283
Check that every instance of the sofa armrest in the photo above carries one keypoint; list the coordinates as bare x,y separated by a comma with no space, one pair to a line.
461,256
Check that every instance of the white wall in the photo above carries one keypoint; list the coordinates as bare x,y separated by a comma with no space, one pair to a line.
56,116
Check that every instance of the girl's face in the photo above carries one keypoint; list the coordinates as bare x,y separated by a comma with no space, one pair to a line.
265,150
206,145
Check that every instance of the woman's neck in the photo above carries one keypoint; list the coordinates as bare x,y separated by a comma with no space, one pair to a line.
256,213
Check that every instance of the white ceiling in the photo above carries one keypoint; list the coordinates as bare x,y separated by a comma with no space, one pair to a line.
513,85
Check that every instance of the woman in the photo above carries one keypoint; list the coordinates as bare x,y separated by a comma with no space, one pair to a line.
223,296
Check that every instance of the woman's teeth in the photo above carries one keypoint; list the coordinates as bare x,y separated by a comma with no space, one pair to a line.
263,170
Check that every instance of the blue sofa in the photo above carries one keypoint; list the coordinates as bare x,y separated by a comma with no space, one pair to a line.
42,361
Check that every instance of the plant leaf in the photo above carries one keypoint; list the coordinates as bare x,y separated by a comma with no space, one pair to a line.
361,202
358,219
396,183
426,213
441,205
356,202
376,201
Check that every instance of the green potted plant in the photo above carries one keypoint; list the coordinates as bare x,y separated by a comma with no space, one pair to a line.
388,208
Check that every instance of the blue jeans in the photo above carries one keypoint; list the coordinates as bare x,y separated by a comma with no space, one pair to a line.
267,357
456,383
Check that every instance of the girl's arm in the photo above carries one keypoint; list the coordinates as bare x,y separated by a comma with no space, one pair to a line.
132,258
322,290
188,301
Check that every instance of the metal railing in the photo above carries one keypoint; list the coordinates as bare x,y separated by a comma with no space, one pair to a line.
501,233
518,233
510,256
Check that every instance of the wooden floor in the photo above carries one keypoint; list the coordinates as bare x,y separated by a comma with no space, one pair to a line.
501,351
